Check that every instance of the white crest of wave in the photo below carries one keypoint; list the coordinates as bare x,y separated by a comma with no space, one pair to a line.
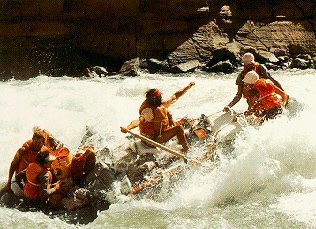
275,158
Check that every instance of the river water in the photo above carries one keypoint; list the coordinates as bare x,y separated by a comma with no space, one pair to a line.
268,183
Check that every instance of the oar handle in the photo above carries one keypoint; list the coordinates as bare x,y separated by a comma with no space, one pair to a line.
152,142
214,113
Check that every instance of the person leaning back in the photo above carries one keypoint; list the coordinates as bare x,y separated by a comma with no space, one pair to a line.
156,122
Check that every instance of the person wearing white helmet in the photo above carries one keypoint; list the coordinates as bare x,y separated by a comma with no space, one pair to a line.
268,104
250,64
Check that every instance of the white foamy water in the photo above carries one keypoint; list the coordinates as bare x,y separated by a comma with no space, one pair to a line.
268,180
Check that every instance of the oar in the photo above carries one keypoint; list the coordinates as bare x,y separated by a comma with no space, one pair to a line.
178,154
217,112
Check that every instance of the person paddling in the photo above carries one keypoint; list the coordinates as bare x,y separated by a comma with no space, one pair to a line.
155,121
250,95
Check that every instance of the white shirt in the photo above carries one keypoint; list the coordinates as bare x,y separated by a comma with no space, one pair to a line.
148,114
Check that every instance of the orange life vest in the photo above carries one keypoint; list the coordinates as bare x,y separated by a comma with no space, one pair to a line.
159,123
268,98
253,67
28,156
31,187
82,163
61,166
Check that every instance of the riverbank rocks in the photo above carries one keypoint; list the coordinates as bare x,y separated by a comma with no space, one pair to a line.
64,37
189,66
95,71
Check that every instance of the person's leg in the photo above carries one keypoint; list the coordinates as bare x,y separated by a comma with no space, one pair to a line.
170,133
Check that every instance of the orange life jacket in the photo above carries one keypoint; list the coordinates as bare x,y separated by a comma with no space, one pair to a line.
31,187
159,123
253,67
82,163
28,156
268,98
61,166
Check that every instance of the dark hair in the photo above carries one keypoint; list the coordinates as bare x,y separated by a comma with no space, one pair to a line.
150,93
41,157
39,134
153,99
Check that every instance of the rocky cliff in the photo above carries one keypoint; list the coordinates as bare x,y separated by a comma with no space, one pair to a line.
65,36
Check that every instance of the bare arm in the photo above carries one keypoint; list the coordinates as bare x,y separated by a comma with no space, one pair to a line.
177,95
276,83
46,188
284,96
264,72
13,166
235,99
133,124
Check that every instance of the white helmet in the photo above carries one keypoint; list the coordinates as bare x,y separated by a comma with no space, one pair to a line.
251,77
248,58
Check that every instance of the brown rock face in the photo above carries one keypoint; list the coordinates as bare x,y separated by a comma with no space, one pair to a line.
65,36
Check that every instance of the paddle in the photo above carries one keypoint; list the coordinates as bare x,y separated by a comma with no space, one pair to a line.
178,154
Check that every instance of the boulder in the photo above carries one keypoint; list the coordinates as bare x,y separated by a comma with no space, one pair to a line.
268,56
154,65
95,71
189,66
300,63
131,67
223,66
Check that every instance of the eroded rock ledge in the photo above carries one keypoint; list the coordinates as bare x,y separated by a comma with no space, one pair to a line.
58,37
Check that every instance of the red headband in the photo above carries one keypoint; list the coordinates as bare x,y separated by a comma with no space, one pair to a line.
157,93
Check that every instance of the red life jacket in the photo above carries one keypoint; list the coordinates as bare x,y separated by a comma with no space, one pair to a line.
159,123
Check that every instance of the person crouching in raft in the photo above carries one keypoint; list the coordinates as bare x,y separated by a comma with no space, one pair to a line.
27,154
268,105
156,122
38,186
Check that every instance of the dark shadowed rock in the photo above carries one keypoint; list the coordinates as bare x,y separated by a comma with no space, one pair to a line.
279,52
272,66
95,71
223,66
229,52
155,65
304,57
131,67
51,36
300,63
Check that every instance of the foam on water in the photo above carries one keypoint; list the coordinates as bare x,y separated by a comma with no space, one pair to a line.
259,180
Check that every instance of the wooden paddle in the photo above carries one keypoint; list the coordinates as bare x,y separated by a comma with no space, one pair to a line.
178,154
